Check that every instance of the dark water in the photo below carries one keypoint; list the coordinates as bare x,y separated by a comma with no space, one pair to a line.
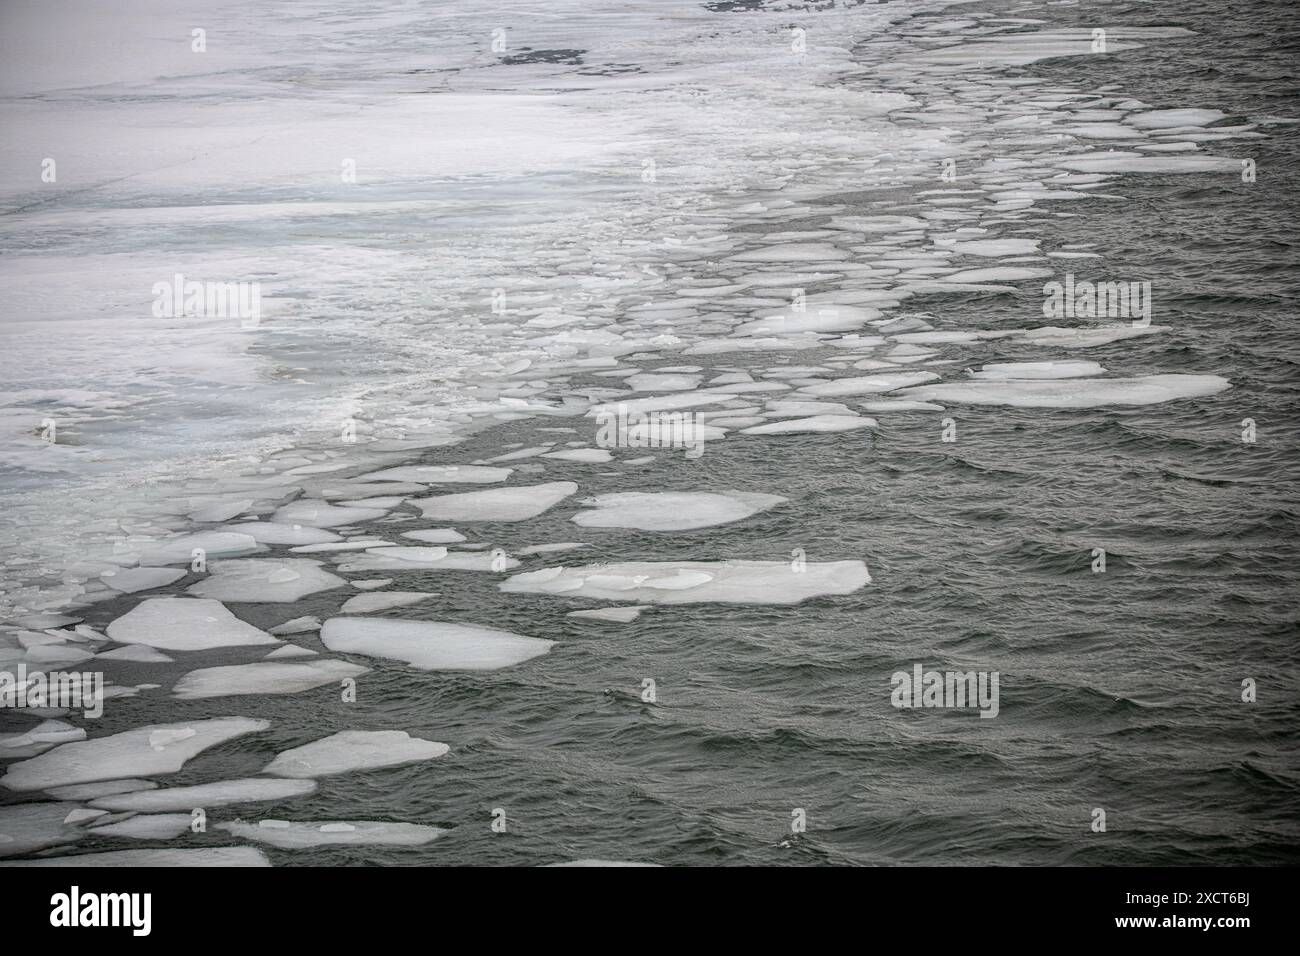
1119,690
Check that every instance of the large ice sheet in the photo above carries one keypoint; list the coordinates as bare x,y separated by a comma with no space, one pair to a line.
1074,393
293,835
497,504
431,645
351,750
184,624
689,582
269,580
263,677
145,751
219,794
672,510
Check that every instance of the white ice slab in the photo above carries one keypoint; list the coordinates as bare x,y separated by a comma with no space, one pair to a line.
817,423
219,794
441,474
351,750
1075,393
130,580
145,751
318,514
497,504
382,601
221,856
688,582
263,677
265,579
287,835
672,510
431,645
184,624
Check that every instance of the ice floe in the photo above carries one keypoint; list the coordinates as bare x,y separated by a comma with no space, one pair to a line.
431,645
441,474
144,751
496,504
672,510
1074,393
269,580
220,856
263,677
688,582
351,750
287,835
184,624
816,423
219,794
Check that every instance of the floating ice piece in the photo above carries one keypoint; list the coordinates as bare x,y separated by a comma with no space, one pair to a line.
993,247
878,224
662,382
144,751
382,601
214,544
997,274
360,490
591,863
1086,337
518,454
1037,370
263,677
899,405
354,750
222,856
591,456
498,504
672,510
442,474
351,544
435,536
431,645
25,827
618,615
1139,163
219,794
297,836
688,582
430,559
89,791
265,579
837,318
138,653
318,514
147,826
130,580
274,532
298,625
869,384
1169,119
1075,393
184,624
46,734
817,423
